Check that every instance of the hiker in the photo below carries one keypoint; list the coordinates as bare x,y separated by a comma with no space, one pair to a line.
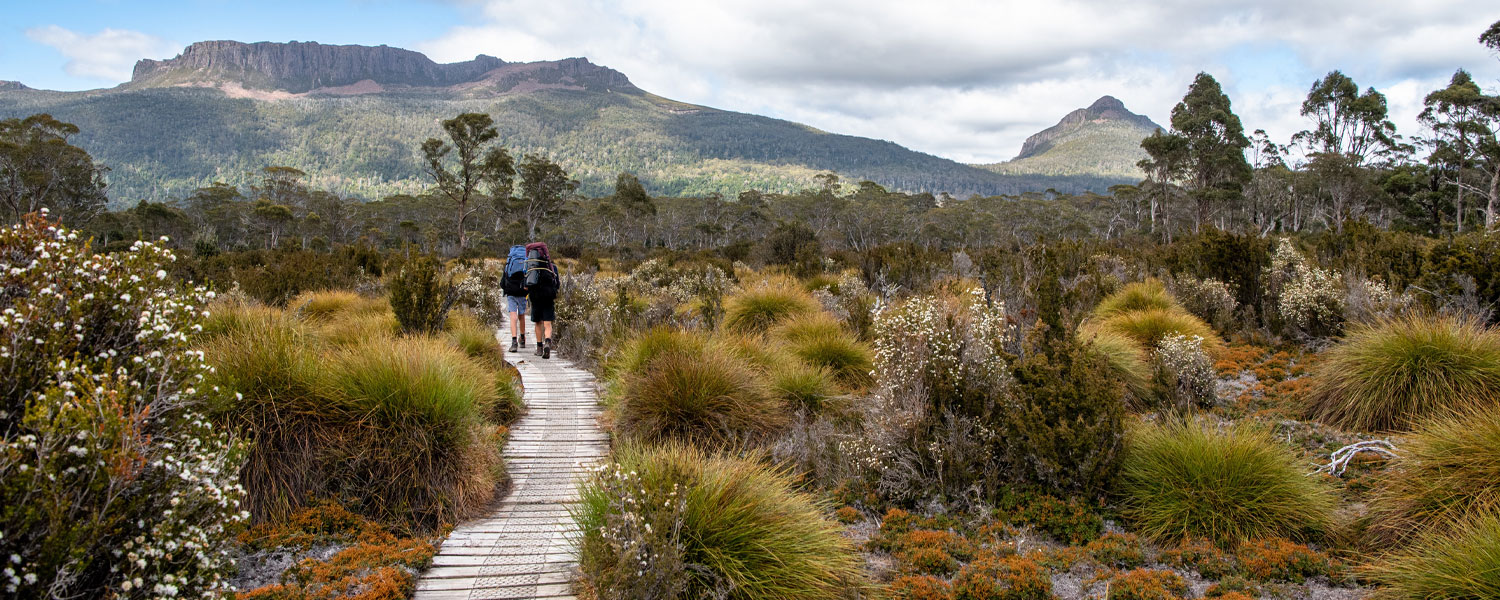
542,283
513,284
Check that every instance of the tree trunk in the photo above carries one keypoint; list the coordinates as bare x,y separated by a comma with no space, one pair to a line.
1489,209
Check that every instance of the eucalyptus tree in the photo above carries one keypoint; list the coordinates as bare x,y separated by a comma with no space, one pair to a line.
545,190
1461,118
1216,170
1350,129
40,169
1166,165
481,170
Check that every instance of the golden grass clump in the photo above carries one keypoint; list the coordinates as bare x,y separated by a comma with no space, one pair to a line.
330,304
757,309
715,522
704,397
1449,468
1150,294
1148,327
1192,479
1128,362
820,340
1392,375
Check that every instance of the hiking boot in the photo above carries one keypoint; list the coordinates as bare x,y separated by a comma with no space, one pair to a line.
523,341
546,349
513,344
538,348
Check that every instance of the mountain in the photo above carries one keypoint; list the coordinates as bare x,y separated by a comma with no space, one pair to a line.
1103,140
6,86
353,118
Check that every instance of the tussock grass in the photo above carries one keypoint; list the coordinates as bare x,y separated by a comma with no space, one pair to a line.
1449,468
1461,563
820,340
1126,360
706,397
476,339
1389,376
330,304
396,428
757,309
414,382
1190,479
1146,295
636,355
1147,327
742,525
806,387
225,317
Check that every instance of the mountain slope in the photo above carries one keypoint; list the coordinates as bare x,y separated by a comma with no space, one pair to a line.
1103,140
354,116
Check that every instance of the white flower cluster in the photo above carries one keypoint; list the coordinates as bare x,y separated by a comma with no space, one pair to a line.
681,285
109,471
1211,299
1310,299
642,530
951,346
1185,364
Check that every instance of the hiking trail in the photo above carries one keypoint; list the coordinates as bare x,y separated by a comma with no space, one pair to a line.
526,547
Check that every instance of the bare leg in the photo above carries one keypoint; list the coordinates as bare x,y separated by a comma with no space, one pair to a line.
515,324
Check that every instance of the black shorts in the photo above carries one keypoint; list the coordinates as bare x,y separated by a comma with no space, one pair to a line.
543,309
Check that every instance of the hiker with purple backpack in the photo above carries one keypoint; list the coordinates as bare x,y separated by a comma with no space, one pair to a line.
513,284
542,284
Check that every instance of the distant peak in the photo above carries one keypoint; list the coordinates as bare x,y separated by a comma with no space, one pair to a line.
12,86
1106,103
1105,109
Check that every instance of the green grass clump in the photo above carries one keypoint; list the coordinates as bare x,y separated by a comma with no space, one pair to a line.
1149,326
414,382
476,339
808,388
225,317
1128,362
1150,294
1449,468
1189,479
1460,563
756,310
705,397
354,329
719,523
845,357
636,355
1389,376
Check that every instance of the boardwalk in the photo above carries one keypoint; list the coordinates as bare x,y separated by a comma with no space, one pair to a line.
525,548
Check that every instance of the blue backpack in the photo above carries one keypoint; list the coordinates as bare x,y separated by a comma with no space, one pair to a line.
514,281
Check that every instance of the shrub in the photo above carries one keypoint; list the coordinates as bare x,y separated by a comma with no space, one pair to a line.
1118,551
1309,300
757,309
373,564
707,398
917,587
1126,361
1389,376
740,525
1203,556
1065,428
1448,468
1233,587
1147,584
948,347
1191,479
1210,299
1002,578
1070,522
421,295
931,552
108,468
1185,376
1463,562
1280,559
846,515
1148,327
1136,297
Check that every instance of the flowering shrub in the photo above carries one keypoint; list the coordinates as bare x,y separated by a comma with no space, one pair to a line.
112,483
1184,372
1309,300
950,348
1210,299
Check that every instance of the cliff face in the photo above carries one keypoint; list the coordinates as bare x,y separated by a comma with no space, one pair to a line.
1105,109
299,67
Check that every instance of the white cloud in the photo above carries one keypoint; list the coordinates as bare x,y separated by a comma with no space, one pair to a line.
970,79
107,55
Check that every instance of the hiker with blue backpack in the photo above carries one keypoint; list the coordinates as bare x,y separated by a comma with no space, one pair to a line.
542,284
513,283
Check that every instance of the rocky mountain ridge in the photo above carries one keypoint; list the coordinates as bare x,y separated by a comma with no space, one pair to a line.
302,67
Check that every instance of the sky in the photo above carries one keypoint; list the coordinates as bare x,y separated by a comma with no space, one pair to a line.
963,79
